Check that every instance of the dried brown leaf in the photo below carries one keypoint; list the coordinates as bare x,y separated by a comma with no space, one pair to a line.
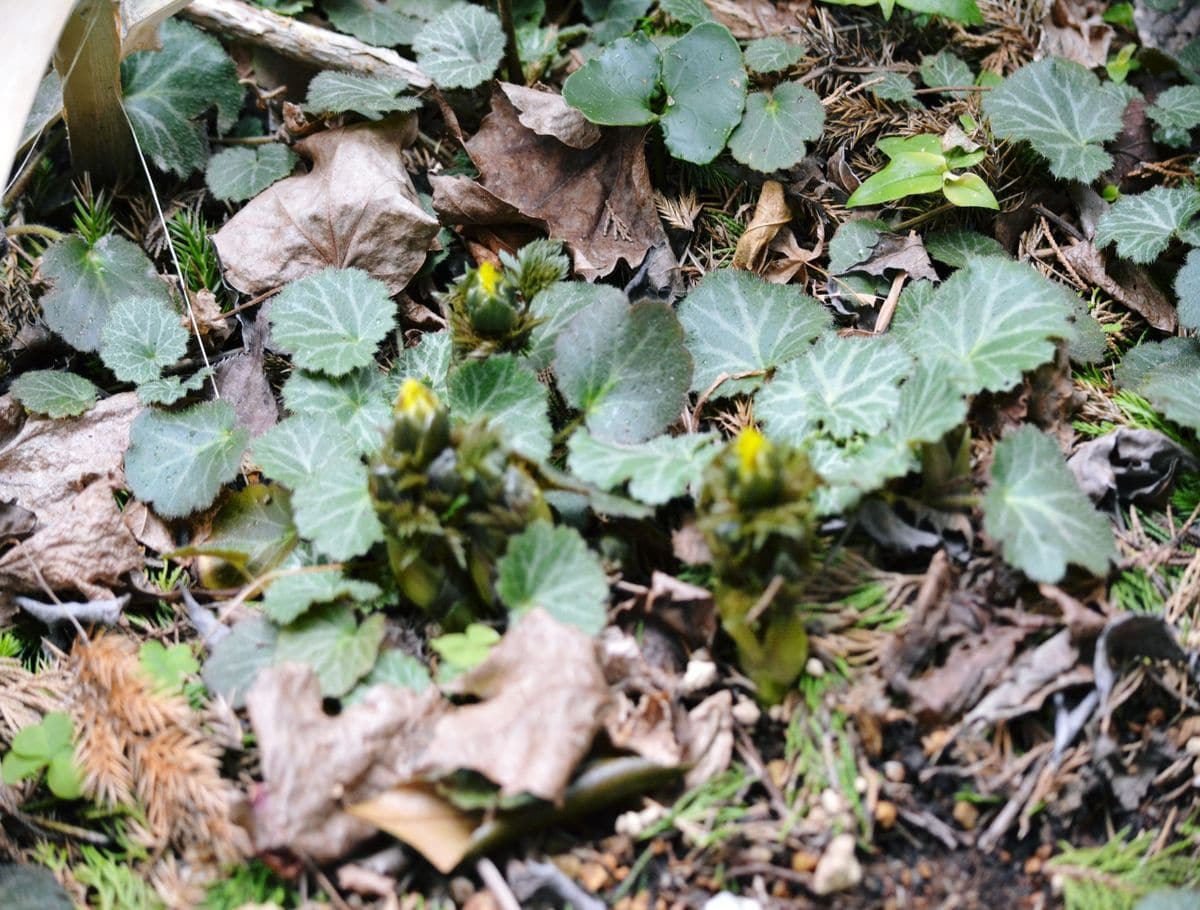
759,18
895,253
598,200
421,818
355,208
543,696
770,214
1122,281
973,666
1076,30
547,114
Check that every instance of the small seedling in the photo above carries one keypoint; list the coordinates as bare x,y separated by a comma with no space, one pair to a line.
927,164
48,747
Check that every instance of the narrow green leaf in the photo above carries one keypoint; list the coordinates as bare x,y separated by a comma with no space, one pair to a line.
332,321
141,337
179,460
461,48
240,173
965,11
969,191
775,127
507,395
705,82
626,367
54,393
1038,513
735,322
618,87
339,650
553,568
907,174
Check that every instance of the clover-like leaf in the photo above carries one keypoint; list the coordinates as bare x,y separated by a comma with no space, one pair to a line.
775,127
955,247
384,24
54,393
291,595
332,321
428,362
333,509
330,640
461,48
88,283
141,337
332,92
992,320
1038,513
773,54
49,745
735,322
554,308
705,82
842,386
1187,290
358,403
1142,226
1060,109
179,460
165,91
237,658
240,173
626,367
463,651
618,87
553,568
943,70
507,395
295,449
657,470
167,668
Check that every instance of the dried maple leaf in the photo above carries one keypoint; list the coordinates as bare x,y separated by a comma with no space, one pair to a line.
355,208
597,199
770,214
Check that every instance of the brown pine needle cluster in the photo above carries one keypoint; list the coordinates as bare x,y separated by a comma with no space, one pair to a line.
136,745
25,696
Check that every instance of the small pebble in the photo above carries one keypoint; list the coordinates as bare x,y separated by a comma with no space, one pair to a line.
838,868
814,667
1193,746
885,814
805,861
966,814
727,901
894,771
832,801
746,712
699,675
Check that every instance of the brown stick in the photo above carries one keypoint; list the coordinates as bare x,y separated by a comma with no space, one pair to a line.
301,41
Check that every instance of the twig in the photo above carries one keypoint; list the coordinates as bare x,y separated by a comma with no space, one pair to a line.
301,41
496,884
889,304
694,420
512,62
107,612
765,599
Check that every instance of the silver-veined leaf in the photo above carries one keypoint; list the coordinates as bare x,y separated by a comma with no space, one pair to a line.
384,24
461,48
333,509
332,642
427,362
169,389
1142,226
179,460
553,568
772,54
333,92
1036,510
956,246
735,322
357,403
54,393
689,12
1059,108
992,320
295,449
555,307
507,395
141,337
332,321
240,173
1187,290
293,594
657,470
945,70
843,386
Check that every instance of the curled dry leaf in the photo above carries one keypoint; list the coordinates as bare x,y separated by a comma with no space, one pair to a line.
973,667
355,208
1035,676
1076,30
1129,465
542,699
892,252
371,746
1123,281
65,472
770,214
596,199
759,18
547,114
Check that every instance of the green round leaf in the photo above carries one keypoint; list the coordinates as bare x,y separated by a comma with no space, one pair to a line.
555,307
179,460
1038,513
165,91
461,48
240,173
944,69
339,650
773,54
332,92
141,337
357,404
1059,108
170,389
735,322
88,282
295,449
332,321
509,396
54,393
955,247
291,595
553,568
705,82
843,386
618,87
775,127
689,12
63,776
625,367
